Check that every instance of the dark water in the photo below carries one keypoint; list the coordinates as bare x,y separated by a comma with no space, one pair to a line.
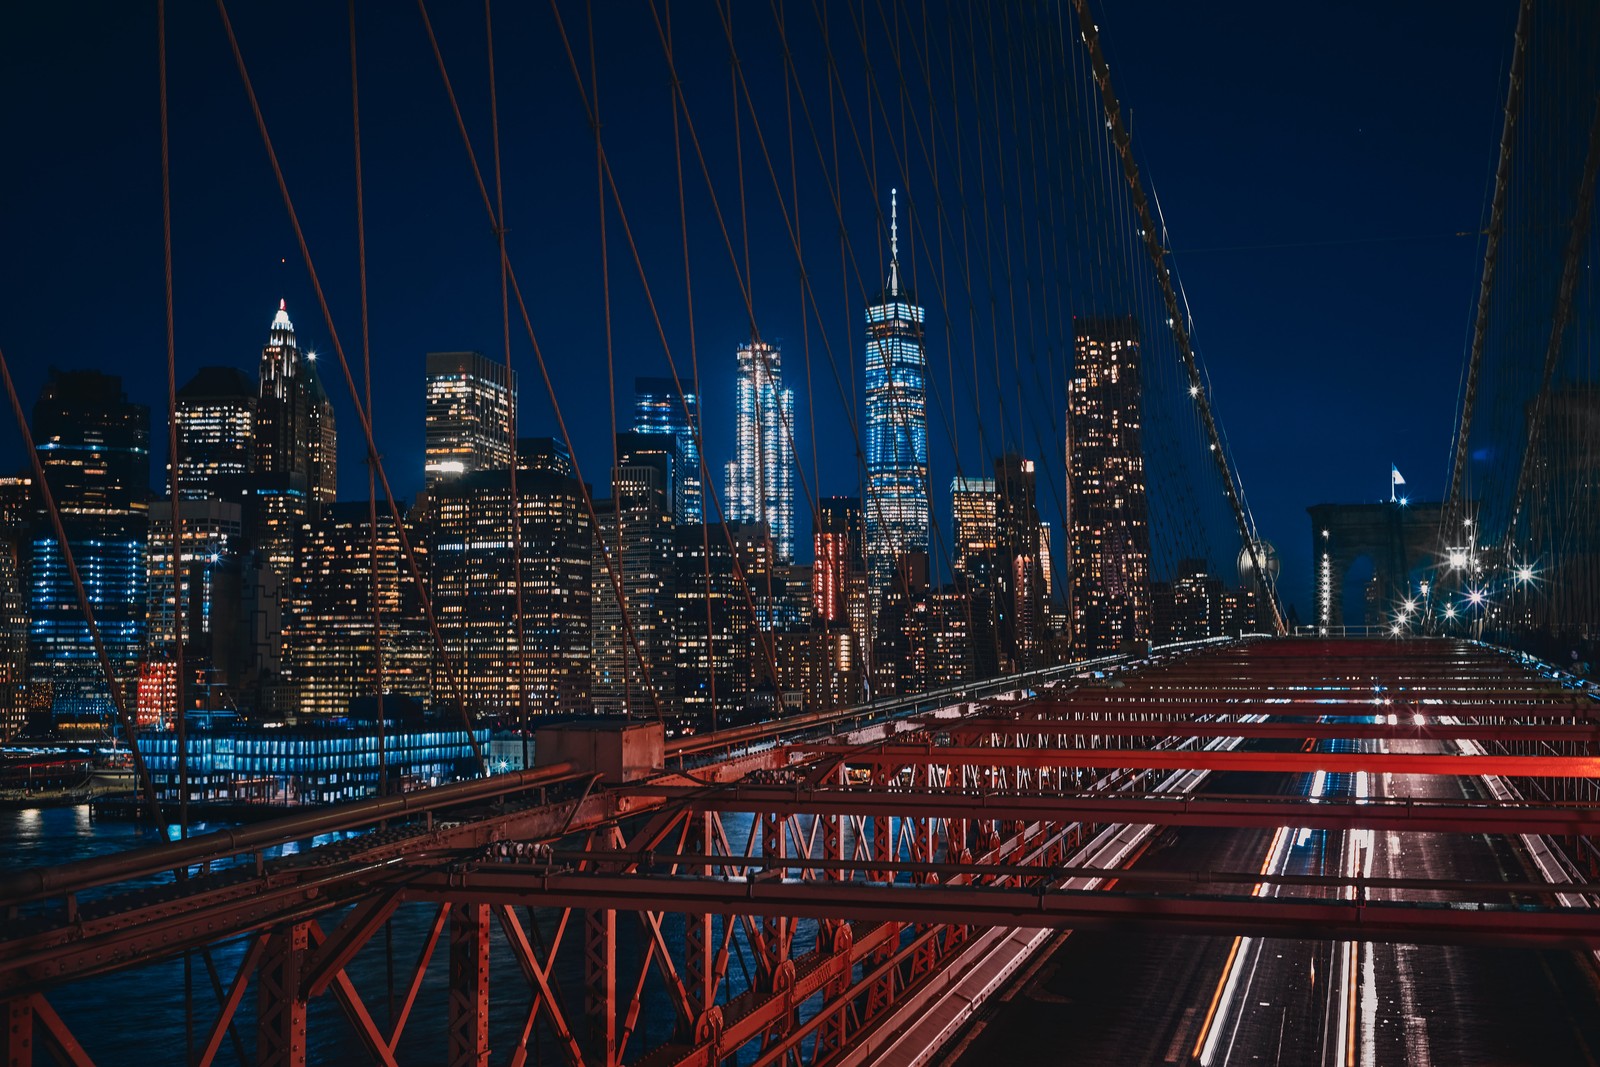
143,1015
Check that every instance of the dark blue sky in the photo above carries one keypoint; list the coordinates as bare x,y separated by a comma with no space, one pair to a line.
1315,164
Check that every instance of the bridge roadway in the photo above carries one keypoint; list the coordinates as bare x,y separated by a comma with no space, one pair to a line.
868,863
1147,998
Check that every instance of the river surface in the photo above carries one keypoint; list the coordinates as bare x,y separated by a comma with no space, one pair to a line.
143,1015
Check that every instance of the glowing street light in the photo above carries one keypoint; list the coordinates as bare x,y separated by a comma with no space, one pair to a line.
1476,596
1449,611
1410,606
1458,558
1524,573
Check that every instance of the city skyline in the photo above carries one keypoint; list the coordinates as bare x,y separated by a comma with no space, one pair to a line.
1349,144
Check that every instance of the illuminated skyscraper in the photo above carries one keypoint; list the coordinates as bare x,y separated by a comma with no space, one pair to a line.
636,518
760,485
1109,513
972,505
668,405
295,455
330,647
896,507
216,417
475,585
837,544
95,447
470,412
1020,576
713,626
212,530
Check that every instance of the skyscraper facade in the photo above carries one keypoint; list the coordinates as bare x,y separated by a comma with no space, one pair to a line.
837,545
1108,510
760,486
1020,576
672,406
476,587
633,663
896,425
333,649
469,414
295,448
713,626
95,448
972,506
216,416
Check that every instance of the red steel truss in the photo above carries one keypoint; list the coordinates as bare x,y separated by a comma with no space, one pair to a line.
785,892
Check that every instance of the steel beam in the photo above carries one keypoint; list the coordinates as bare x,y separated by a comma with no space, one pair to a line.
1374,813
1404,730
1285,917
1186,759
468,1015
281,1004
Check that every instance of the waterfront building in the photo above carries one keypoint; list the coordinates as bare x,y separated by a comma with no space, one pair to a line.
672,406
312,763
94,445
469,414
1109,538
760,482
896,425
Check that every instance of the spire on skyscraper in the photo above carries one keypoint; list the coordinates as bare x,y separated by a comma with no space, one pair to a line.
894,243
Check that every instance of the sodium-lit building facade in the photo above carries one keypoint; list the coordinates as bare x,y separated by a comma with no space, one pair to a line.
470,408
1109,512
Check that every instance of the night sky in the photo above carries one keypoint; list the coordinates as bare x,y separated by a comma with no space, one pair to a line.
1323,170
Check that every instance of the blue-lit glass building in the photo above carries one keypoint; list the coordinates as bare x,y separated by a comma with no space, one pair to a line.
668,405
760,486
896,508
291,766
95,448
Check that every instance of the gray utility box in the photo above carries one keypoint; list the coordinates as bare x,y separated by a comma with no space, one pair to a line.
617,751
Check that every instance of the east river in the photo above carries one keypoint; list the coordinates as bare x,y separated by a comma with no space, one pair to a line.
142,1015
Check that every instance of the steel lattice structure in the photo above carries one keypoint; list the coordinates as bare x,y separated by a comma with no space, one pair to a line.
874,863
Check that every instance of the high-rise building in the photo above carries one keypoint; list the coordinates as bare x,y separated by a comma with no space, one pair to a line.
972,506
1020,588
95,447
837,544
713,626
633,666
332,647
1191,607
469,414
208,579
295,449
476,586
760,485
216,417
16,515
1109,536
896,425
672,406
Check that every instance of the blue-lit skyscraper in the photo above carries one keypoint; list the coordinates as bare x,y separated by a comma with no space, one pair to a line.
896,508
95,448
659,407
760,484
